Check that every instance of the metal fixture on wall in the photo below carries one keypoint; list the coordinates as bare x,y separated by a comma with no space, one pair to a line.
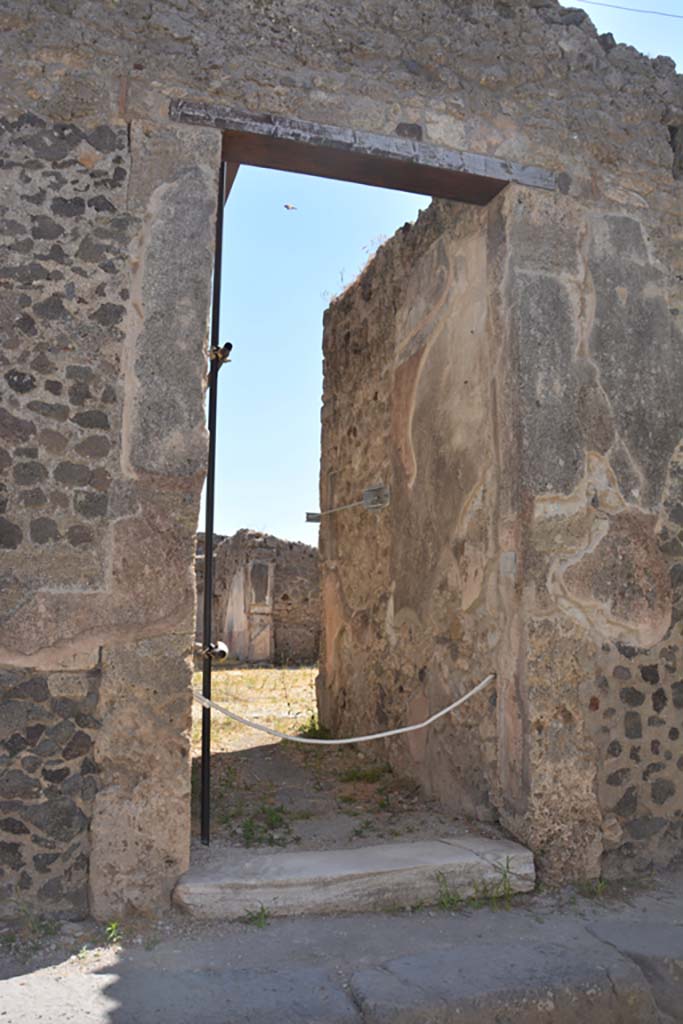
373,498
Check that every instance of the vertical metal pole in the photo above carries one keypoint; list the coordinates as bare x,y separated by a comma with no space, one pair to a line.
214,365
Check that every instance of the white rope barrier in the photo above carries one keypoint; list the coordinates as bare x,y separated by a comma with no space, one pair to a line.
205,702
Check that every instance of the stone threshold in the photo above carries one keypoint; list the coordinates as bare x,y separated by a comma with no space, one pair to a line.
236,882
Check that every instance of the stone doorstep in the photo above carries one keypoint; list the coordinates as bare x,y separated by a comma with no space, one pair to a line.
379,877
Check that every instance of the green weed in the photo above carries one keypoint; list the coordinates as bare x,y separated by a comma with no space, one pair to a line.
366,826
372,774
504,888
250,832
113,933
31,930
274,816
226,781
9,941
313,730
479,895
37,926
259,918
592,888
448,898
494,894
267,826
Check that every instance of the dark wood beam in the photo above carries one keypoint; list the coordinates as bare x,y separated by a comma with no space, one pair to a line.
286,144
231,169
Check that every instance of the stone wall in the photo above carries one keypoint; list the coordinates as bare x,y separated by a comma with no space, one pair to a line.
101,449
408,358
266,597
107,212
296,604
512,374
48,786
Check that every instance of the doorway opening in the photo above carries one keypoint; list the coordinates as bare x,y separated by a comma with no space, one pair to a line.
292,245
267,794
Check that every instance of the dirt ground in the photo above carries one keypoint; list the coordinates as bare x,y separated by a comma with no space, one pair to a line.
266,792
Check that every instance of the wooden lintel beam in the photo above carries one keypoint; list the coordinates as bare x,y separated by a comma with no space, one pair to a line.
231,169
265,140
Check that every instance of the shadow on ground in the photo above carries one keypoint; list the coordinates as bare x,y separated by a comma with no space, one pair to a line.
563,959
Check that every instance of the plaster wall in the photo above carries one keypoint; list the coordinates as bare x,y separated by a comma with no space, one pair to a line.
236,628
107,218
410,607
512,374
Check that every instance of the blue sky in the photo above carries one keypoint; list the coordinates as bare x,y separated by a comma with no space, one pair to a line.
649,33
281,268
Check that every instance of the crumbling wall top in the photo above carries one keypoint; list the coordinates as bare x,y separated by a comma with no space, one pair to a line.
526,79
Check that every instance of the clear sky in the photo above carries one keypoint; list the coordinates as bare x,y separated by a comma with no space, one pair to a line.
281,268
649,33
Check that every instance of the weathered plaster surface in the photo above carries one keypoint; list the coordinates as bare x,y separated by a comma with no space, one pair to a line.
409,602
597,579
477,366
141,821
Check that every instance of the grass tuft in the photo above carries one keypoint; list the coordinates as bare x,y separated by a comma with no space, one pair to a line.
113,933
372,774
448,898
313,730
593,888
259,918
268,826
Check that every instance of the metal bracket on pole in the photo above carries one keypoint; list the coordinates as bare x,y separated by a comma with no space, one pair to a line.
221,355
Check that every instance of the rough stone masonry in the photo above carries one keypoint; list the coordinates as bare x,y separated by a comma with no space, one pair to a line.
560,558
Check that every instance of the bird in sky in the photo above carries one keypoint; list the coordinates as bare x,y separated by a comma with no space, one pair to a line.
289,206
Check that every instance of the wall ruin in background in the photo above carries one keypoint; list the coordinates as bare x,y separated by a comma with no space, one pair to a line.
266,597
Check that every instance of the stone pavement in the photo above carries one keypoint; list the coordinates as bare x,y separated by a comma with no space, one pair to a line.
600,958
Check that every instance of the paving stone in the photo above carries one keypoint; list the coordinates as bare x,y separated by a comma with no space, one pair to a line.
564,981
544,961
656,947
